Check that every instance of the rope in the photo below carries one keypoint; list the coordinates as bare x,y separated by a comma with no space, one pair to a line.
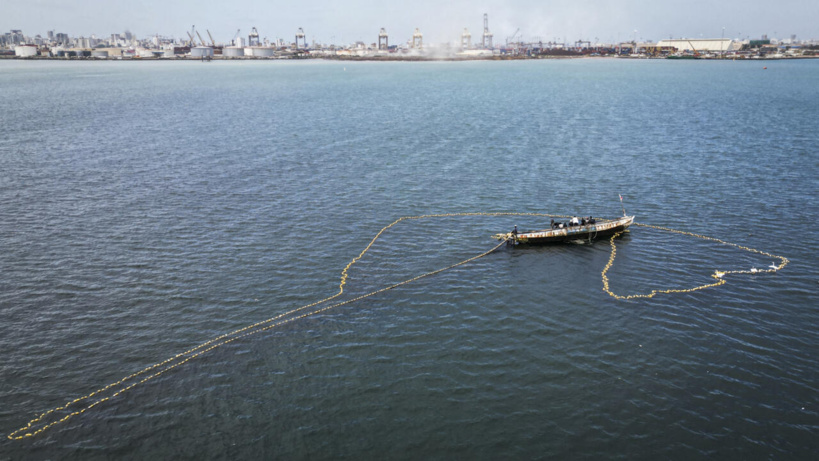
718,274
37,426
227,338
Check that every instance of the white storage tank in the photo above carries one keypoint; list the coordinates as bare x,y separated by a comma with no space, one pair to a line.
201,52
262,51
25,51
233,51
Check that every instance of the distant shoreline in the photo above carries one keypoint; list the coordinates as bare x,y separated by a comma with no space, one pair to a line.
385,58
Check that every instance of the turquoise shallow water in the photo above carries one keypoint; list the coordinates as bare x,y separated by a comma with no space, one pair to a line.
148,207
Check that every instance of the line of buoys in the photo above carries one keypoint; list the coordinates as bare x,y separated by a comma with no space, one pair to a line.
718,274
39,425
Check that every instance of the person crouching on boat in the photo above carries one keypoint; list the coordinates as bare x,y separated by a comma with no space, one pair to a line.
575,221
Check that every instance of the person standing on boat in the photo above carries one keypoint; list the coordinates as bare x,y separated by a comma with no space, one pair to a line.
575,221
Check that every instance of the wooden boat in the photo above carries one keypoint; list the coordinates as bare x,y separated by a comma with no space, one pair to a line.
584,232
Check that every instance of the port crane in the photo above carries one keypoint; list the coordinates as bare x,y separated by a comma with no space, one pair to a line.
516,46
238,31
696,53
509,39
212,42
191,42
200,38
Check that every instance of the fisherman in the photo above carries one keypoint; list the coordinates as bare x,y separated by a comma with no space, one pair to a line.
591,220
575,221
553,223
515,231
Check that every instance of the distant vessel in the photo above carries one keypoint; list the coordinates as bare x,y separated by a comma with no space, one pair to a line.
565,232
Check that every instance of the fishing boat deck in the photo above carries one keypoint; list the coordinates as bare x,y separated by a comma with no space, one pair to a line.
600,228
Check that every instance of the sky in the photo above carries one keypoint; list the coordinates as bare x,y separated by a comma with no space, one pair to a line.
347,21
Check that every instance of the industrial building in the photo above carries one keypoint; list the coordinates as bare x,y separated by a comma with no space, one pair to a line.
25,51
201,52
702,45
233,51
253,46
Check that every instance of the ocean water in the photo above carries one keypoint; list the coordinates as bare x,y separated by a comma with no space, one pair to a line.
149,207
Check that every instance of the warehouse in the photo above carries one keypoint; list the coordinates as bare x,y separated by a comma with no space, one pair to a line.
701,45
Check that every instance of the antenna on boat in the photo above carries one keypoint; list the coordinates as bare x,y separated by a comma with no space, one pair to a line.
623,206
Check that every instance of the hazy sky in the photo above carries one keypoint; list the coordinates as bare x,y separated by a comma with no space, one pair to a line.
440,21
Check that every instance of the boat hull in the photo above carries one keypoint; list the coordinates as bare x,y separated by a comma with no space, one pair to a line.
588,232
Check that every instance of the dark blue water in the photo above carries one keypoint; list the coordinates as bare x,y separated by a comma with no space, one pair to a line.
146,208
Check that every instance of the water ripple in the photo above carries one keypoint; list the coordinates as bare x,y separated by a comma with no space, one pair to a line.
134,228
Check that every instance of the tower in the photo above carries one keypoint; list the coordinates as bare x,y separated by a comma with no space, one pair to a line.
300,36
418,39
253,38
383,36
466,39
487,36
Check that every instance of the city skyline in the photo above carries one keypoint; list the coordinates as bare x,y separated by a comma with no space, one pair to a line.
351,21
